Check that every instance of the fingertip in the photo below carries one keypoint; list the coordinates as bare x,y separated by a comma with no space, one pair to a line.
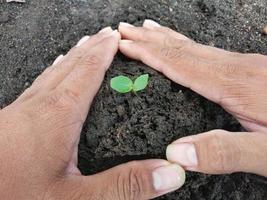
151,24
106,30
116,34
83,40
168,178
124,25
182,175
58,59
182,153
129,48
113,36
187,139
219,152
125,29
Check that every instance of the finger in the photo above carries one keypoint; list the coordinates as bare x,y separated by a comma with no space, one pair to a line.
41,79
38,82
54,74
34,88
135,180
160,35
130,32
152,25
172,38
65,108
157,35
83,82
160,58
223,81
202,51
220,151
58,60
60,71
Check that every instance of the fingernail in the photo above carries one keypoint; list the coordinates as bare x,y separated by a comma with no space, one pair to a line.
125,24
168,178
113,33
183,154
58,59
105,30
83,40
151,23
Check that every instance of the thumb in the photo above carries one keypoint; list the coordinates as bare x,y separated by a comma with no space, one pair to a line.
135,180
219,151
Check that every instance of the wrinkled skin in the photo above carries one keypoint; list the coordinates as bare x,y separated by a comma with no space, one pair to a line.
235,81
40,131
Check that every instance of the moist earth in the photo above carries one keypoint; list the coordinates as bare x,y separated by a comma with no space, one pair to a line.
128,127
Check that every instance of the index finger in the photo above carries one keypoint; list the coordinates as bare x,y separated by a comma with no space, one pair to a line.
83,82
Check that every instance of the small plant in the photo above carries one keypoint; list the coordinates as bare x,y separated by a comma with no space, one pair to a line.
123,84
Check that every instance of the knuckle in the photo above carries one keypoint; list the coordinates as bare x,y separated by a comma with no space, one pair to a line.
228,93
145,32
177,42
169,41
62,101
174,49
226,69
76,52
70,98
60,108
172,53
92,62
131,183
225,155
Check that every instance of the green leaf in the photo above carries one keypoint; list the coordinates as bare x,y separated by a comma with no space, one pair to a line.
121,84
141,82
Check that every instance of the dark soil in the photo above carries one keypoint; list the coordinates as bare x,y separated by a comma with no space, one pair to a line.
128,127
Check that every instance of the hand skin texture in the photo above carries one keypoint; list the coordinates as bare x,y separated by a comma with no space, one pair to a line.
39,132
39,135
237,82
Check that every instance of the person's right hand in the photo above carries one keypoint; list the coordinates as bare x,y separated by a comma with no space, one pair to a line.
235,81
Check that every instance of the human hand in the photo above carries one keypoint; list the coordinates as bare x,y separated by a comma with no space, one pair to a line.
235,81
40,132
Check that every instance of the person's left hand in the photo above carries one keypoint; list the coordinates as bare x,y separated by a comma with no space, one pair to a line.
40,131
235,81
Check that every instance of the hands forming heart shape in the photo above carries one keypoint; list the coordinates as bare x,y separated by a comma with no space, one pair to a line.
45,122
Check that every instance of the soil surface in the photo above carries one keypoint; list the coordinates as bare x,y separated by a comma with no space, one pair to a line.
128,127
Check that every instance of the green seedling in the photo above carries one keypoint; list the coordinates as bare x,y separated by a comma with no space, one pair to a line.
123,84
